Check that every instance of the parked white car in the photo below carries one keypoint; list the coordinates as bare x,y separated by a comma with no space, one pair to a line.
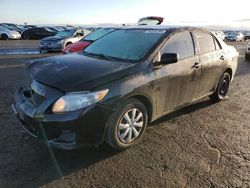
247,55
6,34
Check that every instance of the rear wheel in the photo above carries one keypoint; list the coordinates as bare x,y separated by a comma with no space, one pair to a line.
4,36
127,125
222,88
68,43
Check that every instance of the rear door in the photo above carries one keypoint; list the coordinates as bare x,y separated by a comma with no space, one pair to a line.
35,33
212,59
178,82
41,33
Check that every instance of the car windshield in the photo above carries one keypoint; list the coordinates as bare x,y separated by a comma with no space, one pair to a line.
8,26
97,34
52,29
232,34
48,29
65,33
20,27
127,45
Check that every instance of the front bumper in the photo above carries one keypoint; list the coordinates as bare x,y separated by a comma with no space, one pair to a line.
231,39
15,36
70,130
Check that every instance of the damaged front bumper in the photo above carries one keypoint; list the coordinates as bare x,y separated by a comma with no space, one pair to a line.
65,130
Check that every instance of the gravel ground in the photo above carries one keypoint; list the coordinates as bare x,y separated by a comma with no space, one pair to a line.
203,145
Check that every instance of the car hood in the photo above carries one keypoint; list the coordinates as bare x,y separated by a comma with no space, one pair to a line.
53,38
75,72
12,32
77,47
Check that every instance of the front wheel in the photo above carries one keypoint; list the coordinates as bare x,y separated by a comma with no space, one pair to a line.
4,37
222,88
127,125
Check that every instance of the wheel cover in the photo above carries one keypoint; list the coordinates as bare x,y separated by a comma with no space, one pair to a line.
130,125
224,86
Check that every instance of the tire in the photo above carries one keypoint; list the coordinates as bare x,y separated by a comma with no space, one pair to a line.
68,44
247,57
4,36
222,88
121,134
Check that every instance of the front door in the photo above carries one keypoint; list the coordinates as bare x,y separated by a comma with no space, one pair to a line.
177,83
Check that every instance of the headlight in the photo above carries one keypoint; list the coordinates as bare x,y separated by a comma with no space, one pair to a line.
78,100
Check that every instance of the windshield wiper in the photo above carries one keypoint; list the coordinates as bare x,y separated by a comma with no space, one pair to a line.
103,56
110,58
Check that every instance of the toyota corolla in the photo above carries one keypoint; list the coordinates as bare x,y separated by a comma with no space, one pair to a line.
121,83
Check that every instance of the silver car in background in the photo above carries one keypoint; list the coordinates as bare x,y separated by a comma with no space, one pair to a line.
6,34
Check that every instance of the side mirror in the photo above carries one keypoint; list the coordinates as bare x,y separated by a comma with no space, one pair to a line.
169,58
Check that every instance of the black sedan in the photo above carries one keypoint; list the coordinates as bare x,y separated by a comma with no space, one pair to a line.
122,82
38,33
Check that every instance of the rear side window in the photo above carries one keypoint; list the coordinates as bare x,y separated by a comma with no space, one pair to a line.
205,42
180,43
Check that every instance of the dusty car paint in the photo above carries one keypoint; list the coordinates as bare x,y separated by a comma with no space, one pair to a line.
161,88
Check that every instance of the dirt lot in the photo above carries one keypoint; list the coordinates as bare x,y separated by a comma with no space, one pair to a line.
204,145
19,44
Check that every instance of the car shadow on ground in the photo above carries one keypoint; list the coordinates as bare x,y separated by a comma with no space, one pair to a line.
186,110
68,162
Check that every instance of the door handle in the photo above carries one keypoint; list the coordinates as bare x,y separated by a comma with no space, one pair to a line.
222,57
196,65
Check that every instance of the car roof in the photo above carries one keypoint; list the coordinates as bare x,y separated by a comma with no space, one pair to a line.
111,27
168,28
164,27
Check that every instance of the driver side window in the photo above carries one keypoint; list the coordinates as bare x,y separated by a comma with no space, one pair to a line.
180,43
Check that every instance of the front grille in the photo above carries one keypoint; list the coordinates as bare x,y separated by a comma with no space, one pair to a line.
37,99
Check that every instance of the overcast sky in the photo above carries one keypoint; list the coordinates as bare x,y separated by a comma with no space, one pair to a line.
117,11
